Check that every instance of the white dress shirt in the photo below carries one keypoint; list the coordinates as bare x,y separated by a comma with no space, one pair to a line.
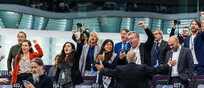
175,56
191,46
137,51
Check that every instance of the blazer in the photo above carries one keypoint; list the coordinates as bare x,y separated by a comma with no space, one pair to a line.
185,64
76,74
198,46
118,47
145,50
163,49
132,75
82,61
32,56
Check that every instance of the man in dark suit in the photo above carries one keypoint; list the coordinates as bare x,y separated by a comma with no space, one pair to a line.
132,75
124,44
195,42
182,72
159,50
143,49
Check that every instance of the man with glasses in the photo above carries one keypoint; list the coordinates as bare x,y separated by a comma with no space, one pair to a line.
159,50
142,50
185,33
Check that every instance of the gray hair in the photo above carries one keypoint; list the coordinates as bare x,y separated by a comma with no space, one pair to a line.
38,61
160,31
131,56
134,33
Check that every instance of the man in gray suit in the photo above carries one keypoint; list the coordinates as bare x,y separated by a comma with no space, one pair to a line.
88,55
133,75
159,49
182,72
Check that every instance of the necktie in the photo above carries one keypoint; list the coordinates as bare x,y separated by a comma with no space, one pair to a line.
124,46
156,53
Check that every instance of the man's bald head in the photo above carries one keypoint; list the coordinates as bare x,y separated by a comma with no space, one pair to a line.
131,56
174,39
174,43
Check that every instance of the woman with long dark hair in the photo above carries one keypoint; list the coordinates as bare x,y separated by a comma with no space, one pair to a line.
68,69
109,59
22,60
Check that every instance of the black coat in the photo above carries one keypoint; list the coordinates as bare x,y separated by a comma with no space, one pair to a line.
145,50
163,49
133,75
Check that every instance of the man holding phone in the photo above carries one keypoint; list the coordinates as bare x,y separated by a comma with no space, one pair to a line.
38,79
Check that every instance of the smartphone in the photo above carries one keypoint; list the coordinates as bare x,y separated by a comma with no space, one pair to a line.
121,50
25,82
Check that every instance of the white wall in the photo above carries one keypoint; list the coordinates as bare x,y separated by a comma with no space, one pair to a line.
50,41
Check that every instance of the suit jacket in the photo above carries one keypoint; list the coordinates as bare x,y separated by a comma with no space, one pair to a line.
145,50
132,75
82,61
163,49
31,56
198,46
185,63
118,47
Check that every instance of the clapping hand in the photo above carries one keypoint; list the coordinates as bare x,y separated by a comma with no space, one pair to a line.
122,54
99,66
100,58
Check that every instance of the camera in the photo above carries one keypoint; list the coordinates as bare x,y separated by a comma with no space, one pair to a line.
79,24
177,22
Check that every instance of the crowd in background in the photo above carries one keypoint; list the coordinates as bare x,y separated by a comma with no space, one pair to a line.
126,64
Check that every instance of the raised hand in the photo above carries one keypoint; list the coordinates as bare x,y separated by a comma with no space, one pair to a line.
35,42
142,24
74,31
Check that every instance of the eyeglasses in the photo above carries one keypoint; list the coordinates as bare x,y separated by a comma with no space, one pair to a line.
156,33
131,38
185,30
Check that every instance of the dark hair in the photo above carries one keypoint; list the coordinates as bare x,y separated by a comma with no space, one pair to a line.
187,27
109,54
56,63
63,54
23,33
197,22
82,38
126,30
21,52
38,60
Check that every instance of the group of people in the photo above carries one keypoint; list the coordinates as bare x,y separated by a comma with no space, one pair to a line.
126,64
